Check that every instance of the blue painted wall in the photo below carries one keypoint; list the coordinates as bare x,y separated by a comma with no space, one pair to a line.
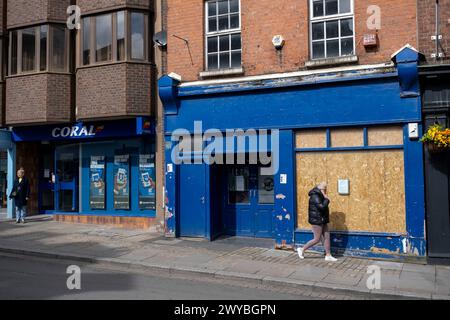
320,101
355,102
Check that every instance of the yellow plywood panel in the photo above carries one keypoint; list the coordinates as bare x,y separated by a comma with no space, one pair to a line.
377,199
347,137
385,136
311,139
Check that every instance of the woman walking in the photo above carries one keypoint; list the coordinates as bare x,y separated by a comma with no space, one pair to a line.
319,217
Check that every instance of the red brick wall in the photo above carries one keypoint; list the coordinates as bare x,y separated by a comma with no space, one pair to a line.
113,90
38,98
87,6
262,19
24,12
427,27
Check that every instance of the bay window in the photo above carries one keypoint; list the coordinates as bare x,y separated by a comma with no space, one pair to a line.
39,49
112,37
332,28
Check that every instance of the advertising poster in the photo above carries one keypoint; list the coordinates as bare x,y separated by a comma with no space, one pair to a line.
97,185
147,186
122,182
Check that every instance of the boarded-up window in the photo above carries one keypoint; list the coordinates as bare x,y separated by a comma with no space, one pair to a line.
311,139
385,136
376,202
347,137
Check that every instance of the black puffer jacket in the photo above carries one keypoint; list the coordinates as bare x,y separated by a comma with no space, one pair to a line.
318,211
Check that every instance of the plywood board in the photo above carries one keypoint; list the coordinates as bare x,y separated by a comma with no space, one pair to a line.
311,139
385,136
377,199
347,137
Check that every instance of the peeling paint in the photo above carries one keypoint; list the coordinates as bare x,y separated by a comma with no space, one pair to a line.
385,251
287,217
280,196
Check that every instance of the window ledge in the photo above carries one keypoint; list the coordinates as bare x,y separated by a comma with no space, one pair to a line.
220,73
331,61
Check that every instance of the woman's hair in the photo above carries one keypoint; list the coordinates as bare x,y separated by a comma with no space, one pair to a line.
322,185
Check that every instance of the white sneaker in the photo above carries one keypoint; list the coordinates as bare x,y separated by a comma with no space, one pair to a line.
330,258
300,253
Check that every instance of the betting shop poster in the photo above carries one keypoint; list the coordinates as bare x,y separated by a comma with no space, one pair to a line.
122,182
97,178
147,176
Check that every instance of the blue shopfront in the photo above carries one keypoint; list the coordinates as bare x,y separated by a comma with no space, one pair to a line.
357,128
95,168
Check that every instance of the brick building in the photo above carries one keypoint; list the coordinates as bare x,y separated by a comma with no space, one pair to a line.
327,89
434,43
81,108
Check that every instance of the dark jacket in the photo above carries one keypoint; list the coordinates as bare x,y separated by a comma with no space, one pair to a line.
318,211
20,192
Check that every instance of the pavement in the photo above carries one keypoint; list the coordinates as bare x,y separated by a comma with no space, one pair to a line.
228,258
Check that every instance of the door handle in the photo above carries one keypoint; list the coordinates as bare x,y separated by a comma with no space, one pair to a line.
202,200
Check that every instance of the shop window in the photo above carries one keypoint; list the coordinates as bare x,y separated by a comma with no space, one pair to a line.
385,136
332,28
118,36
223,35
119,177
307,139
31,47
347,137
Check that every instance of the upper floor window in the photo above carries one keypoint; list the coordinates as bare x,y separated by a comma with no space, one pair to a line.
40,48
223,34
332,28
117,36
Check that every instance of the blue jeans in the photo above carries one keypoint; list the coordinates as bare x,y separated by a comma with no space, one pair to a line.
21,213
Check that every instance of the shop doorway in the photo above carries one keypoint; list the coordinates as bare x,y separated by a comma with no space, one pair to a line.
247,201
47,179
66,178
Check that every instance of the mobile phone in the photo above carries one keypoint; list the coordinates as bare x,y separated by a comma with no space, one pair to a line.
121,175
146,179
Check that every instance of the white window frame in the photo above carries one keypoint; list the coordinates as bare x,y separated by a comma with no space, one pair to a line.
334,17
218,33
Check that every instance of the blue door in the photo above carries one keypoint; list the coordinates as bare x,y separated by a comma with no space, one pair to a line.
66,178
193,222
248,199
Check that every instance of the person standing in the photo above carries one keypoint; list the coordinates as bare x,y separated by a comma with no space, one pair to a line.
21,194
319,217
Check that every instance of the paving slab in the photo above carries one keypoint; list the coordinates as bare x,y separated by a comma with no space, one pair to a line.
309,273
417,281
278,270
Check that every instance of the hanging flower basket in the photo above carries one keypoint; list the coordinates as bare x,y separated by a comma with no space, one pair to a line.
435,148
436,139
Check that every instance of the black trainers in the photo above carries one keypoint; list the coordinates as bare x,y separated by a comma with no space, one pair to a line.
17,221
